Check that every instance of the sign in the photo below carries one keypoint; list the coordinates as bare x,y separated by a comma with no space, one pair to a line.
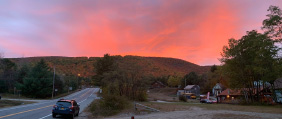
70,88
56,90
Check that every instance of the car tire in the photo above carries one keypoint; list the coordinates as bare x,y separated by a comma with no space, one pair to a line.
54,115
72,116
77,113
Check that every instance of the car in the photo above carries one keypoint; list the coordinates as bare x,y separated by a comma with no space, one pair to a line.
213,100
66,107
206,101
190,95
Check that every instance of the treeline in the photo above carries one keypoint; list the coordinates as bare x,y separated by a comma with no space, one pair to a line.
36,80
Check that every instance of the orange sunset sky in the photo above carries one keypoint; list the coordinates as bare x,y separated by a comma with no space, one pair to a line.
192,30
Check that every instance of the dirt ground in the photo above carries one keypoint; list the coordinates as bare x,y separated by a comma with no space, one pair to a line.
195,112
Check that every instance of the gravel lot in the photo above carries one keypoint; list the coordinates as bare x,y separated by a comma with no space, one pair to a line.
200,113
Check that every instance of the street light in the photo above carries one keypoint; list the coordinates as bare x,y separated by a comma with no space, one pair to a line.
78,75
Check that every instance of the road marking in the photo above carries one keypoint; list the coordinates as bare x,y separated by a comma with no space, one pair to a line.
87,97
77,93
78,103
85,93
24,111
45,116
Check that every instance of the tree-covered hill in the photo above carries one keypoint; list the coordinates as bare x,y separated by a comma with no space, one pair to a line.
155,66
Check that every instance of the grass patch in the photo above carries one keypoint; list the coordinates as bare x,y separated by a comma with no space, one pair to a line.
277,109
233,116
12,96
10,103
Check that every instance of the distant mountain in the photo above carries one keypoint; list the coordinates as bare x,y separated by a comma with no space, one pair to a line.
155,66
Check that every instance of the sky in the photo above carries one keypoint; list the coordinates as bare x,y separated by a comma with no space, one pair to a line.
192,30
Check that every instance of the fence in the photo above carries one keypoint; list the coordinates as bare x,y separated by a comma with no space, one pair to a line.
140,106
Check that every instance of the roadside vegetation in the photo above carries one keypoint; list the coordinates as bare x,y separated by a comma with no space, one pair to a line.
109,105
34,80
120,85
10,103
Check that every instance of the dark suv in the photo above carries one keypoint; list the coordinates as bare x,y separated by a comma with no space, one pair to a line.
66,107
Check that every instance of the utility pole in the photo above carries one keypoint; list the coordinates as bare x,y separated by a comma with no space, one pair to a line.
53,83
185,82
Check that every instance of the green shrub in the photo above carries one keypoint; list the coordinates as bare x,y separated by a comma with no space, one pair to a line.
182,98
109,105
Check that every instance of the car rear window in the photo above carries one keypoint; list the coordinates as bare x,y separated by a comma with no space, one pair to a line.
64,103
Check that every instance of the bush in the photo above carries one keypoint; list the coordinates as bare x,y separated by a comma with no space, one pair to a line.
109,105
182,98
141,97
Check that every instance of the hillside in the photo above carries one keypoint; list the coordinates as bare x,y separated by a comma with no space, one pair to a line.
155,66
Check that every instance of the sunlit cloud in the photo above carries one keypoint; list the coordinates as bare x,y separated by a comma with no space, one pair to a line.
191,30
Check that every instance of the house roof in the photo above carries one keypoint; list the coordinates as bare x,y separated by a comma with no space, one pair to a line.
278,83
188,87
230,92
158,83
237,91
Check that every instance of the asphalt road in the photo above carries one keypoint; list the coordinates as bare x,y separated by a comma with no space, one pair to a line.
43,110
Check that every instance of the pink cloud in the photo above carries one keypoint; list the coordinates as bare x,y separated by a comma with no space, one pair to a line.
193,30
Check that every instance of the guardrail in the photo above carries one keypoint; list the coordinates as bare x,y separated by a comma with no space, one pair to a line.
140,106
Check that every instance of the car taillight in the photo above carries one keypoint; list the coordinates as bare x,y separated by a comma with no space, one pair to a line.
71,108
55,107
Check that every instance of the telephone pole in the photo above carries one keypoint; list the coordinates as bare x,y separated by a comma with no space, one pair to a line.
53,83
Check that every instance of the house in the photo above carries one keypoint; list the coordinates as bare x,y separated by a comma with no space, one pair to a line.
180,92
217,89
192,89
278,90
229,94
158,84
233,95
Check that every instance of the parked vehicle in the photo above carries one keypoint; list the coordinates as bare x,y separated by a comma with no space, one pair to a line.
203,97
206,101
66,107
190,95
213,100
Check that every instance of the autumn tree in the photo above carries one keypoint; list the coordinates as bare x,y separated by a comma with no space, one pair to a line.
174,81
116,80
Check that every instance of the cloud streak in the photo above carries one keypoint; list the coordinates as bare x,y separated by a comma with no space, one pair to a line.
191,30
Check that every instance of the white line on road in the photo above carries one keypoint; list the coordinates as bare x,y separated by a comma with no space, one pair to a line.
45,116
78,103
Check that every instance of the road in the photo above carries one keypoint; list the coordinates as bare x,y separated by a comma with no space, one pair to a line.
43,110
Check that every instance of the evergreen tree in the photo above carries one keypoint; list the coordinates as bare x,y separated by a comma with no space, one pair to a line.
38,83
